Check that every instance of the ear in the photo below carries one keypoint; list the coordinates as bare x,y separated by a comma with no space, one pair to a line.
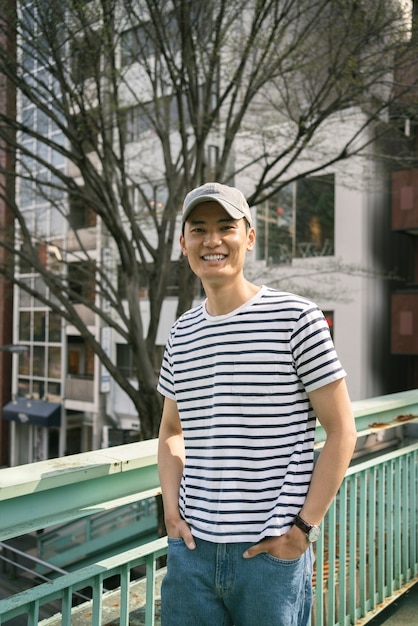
183,245
250,239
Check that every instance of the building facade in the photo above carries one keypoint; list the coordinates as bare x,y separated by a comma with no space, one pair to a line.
404,225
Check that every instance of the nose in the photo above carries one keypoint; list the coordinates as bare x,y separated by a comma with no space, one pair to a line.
212,238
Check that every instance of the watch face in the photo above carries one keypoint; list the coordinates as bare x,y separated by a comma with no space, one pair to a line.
314,533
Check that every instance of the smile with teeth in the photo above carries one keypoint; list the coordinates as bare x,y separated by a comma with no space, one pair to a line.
214,257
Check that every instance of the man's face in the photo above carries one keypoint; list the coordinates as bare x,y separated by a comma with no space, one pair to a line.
214,243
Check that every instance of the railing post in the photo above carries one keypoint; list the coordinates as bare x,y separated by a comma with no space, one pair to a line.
372,535
332,562
150,591
342,543
319,581
362,541
353,551
97,598
124,595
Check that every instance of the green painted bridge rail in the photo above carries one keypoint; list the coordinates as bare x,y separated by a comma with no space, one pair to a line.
366,558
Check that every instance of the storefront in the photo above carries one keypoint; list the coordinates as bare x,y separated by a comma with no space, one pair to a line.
35,428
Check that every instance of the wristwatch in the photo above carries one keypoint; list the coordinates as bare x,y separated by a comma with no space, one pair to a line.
311,531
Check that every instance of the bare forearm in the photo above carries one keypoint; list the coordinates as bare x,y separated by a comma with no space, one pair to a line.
328,475
170,469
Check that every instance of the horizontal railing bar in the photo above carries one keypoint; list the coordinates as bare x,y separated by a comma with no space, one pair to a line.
76,468
29,557
381,459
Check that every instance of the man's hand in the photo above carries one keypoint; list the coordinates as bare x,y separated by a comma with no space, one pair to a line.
287,547
180,529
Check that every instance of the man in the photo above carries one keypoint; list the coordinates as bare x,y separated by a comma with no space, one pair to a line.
245,375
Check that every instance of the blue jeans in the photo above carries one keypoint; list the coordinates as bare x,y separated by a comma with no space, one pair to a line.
214,585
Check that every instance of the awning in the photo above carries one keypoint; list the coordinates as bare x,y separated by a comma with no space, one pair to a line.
36,412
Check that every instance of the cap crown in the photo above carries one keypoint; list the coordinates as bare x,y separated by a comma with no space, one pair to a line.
230,198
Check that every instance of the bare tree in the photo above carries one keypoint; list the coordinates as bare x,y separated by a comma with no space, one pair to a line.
124,105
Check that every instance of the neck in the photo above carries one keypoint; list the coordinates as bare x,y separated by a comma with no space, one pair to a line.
224,299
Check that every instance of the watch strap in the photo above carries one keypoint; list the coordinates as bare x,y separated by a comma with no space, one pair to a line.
304,526
312,531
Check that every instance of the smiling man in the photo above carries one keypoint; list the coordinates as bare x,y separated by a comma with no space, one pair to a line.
245,375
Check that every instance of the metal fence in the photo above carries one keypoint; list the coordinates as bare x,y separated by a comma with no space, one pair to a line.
368,552
367,556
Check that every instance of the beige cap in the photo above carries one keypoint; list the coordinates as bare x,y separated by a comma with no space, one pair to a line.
231,198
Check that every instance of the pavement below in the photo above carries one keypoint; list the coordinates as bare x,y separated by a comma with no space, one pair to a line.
402,612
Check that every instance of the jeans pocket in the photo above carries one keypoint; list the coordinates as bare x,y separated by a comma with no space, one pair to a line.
276,559
173,541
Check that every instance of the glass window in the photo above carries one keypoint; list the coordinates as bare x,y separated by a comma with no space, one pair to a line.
135,121
24,363
54,328
25,265
275,229
86,57
315,216
122,294
81,215
23,388
40,288
297,221
140,42
24,297
86,131
124,359
80,357
24,326
89,360
28,58
81,281
39,319
54,362
38,389
136,44
54,392
38,364
27,192
57,223
142,117
41,221
43,123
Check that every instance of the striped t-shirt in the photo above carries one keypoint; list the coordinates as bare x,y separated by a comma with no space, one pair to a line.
240,382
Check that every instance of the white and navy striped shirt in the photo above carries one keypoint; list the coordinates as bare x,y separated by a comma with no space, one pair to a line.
240,382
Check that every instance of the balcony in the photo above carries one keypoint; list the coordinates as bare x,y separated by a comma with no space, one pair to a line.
79,388
367,555
82,239
405,201
86,315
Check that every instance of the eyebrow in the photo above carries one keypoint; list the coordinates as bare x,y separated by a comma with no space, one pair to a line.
220,221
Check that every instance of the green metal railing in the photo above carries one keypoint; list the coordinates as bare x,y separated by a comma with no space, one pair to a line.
367,556
93,578
368,552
